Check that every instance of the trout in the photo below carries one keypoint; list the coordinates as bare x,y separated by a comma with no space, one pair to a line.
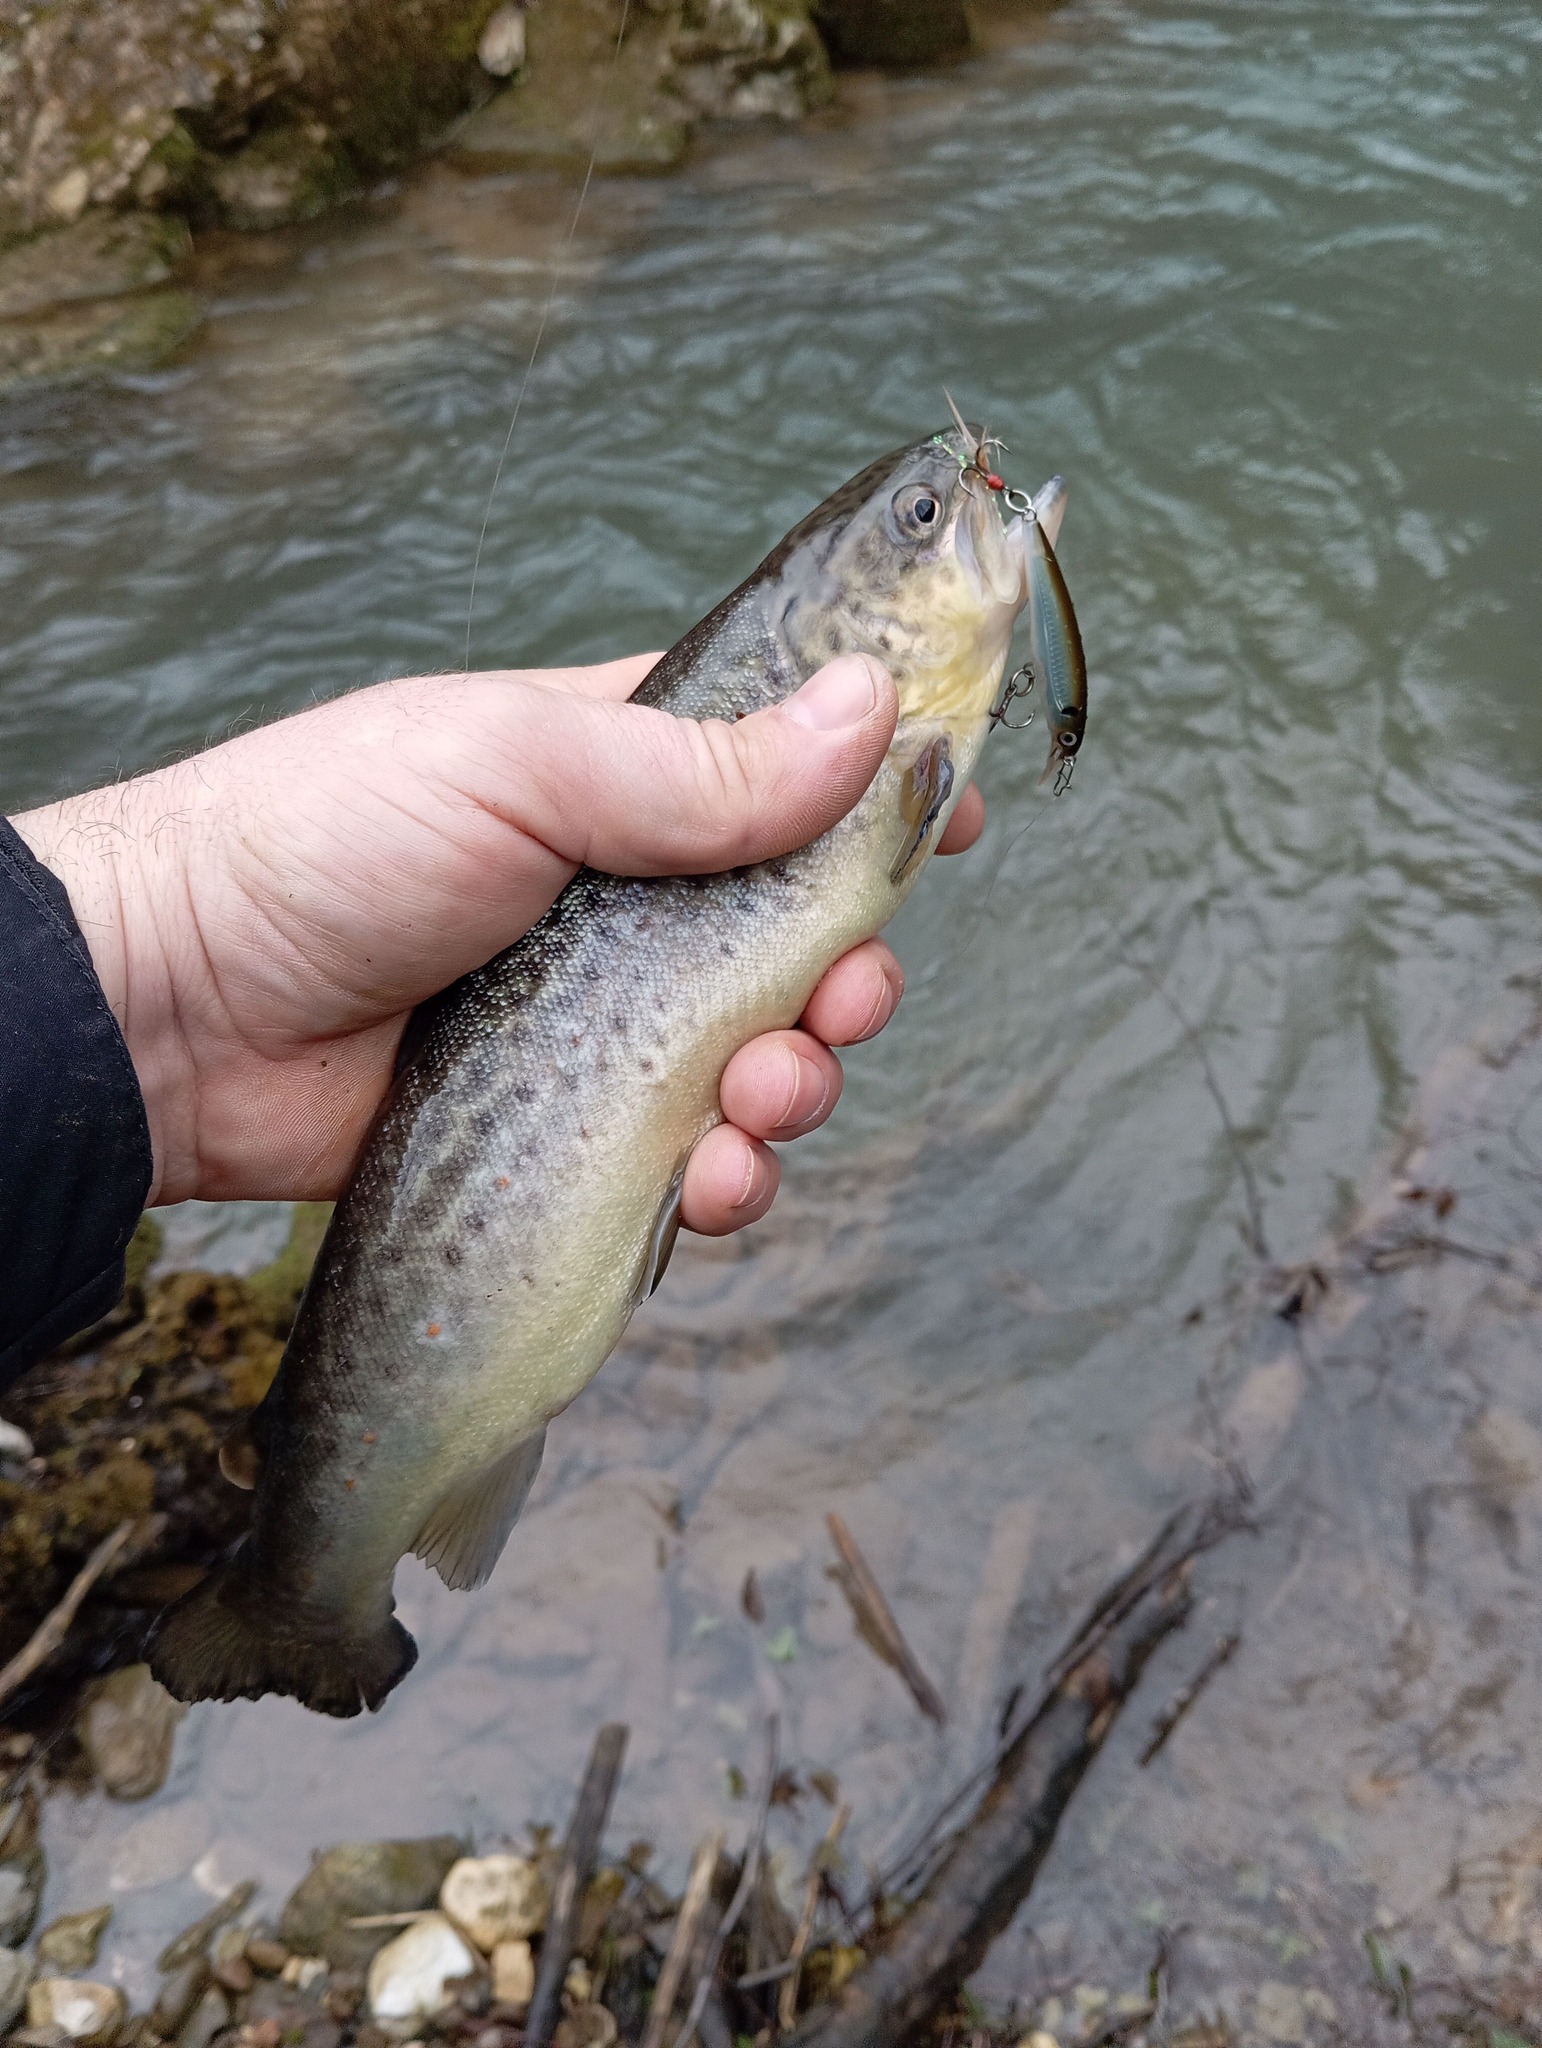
518,1194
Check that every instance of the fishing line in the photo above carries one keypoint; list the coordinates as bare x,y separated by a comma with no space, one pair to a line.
961,944
563,246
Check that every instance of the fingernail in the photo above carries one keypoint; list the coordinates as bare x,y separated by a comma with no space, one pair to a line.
885,1003
756,1177
841,694
808,1090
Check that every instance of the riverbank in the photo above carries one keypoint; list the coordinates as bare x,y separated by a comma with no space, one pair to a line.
122,137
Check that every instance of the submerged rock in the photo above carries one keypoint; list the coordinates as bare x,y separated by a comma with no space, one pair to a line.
22,1869
181,1989
355,1880
106,256
126,1728
210,2016
71,1943
15,1976
495,1898
94,340
92,2014
409,1978
897,32
741,60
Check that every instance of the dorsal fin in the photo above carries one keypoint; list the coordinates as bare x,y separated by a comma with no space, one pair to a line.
466,1530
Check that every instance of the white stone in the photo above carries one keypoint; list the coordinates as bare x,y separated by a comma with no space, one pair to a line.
494,1898
407,1978
513,1973
67,199
15,1444
1279,2014
89,2013
501,52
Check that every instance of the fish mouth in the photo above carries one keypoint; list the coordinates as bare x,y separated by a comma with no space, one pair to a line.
994,556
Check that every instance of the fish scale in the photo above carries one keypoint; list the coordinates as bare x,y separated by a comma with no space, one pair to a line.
518,1191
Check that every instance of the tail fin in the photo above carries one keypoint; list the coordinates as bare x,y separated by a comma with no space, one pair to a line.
228,1639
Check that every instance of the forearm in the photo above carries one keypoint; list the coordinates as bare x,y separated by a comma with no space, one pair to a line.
75,1165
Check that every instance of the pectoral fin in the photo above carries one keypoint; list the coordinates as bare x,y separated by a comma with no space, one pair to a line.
928,785
661,1245
464,1536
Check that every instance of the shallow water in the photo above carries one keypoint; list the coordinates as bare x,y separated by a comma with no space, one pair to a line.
1262,281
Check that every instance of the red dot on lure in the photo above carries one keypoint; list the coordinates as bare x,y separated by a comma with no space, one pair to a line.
995,483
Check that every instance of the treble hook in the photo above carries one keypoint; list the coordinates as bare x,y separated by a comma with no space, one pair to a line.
1014,688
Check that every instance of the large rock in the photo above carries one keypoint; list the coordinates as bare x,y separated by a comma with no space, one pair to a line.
680,62
356,1880
142,100
894,32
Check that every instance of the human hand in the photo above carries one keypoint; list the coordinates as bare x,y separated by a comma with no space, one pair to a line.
265,916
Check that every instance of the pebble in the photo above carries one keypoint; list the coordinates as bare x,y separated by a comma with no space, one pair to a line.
408,1978
71,1943
513,1973
15,1444
266,1955
586,2026
355,1880
494,1898
126,1728
501,51
180,1991
303,1971
1038,2039
89,2013
15,1976
21,1886
210,2016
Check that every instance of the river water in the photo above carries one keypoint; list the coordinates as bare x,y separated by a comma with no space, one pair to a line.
1260,277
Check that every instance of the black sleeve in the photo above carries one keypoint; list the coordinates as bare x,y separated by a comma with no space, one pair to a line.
75,1159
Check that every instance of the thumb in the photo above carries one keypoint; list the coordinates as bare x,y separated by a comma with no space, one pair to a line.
636,791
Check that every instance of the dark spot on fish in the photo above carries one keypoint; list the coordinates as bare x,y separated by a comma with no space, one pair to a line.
348,1483
368,1437
575,1038
725,949
646,1066
502,1181
485,1123
394,1255
523,1092
528,1278
645,924
583,1130
453,1254
476,1222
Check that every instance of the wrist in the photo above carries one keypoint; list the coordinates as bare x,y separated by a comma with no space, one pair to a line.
116,872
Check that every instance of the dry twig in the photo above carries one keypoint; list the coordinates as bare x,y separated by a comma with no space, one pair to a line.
741,1897
876,1620
50,1633
1186,1695
787,1998
579,1852
687,1924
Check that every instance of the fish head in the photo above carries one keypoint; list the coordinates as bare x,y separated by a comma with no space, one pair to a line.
911,562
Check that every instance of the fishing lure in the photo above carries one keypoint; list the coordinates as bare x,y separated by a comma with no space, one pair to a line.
1057,640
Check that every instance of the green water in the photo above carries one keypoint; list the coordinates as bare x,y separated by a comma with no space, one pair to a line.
1262,281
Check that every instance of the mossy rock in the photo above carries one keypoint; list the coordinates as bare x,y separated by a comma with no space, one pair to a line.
127,1423
894,32
577,98
106,256
355,1880
98,339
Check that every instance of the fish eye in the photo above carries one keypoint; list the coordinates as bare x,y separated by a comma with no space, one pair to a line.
916,511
